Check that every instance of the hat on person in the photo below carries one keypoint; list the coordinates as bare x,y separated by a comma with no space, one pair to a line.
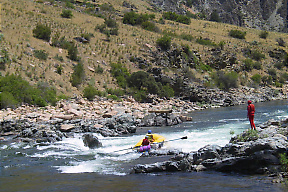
249,102
149,131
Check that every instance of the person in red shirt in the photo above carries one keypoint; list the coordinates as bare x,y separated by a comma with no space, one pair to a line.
250,114
145,146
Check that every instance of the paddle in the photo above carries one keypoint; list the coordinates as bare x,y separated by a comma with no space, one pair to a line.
185,137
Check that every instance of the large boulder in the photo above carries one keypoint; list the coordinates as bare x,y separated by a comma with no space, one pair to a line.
91,141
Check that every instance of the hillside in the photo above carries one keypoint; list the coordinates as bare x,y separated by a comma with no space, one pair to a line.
132,46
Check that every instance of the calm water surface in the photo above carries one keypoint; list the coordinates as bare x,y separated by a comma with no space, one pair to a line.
70,166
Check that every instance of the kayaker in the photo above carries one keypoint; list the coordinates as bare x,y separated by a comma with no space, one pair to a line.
145,141
145,146
250,114
150,136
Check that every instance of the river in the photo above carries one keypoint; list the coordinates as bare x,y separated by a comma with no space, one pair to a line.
70,166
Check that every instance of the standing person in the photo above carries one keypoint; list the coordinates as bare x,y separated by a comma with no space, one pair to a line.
250,114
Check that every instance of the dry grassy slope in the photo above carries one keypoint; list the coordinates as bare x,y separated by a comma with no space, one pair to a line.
19,18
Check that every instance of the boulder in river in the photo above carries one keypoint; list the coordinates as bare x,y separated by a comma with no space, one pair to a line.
91,141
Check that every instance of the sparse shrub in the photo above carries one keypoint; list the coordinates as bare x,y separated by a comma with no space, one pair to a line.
4,59
256,55
256,78
247,65
41,54
66,13
257,65
47,92
186,37
267,80
284,161
237,34
89,92
73,52
77,75
225,80
283,77
279,65
205,41
117,92
42,31
99,69
110,23
59,69
87,36
59,58
164,42
263,34
281,42
273,73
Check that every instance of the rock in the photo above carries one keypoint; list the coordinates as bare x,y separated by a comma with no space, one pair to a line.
67,127
91,141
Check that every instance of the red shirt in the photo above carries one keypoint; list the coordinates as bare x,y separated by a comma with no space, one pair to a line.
251,109
145,142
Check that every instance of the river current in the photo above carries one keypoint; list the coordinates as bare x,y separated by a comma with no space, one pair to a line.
70,166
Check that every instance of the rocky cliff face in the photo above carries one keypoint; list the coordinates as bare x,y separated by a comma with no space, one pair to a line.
259,14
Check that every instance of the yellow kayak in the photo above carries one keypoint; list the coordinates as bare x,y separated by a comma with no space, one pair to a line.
157,139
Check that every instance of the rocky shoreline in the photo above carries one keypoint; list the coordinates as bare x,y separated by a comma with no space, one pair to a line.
252,152
114,118
249,153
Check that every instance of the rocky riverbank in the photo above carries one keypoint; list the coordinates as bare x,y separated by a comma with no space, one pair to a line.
114,118
252,152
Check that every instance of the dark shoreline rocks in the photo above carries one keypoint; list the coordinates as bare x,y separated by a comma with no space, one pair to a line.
252,152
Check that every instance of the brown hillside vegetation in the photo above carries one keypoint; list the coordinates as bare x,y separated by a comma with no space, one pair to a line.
20,17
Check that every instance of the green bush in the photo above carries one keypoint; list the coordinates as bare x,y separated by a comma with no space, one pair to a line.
41,54
256,78
225,80
247,65
149,26
281,42
99,69
164,42
87,36
257,65
175,17
120,73
73,52
133,18
42,31
237,34
117,92
283,77
89,92
4,59
186,37
215,16
14,91
109,22
205,41
77,75
59,69
66,13
273,73
263,34
267,80
256,55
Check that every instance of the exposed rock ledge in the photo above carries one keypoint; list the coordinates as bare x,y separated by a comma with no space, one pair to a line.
247,153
